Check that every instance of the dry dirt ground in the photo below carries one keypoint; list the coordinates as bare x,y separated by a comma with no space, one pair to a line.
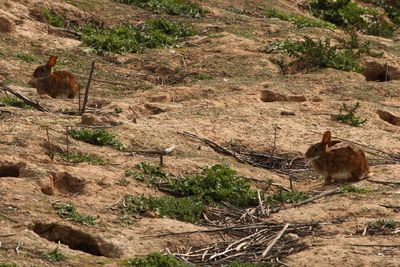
224,106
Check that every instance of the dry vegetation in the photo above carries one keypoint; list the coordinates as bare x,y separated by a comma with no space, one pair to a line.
182,80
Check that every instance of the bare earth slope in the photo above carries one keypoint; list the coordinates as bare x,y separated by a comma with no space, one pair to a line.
219,101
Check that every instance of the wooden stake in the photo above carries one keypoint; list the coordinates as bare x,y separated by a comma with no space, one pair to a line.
67,139
87,89
49,143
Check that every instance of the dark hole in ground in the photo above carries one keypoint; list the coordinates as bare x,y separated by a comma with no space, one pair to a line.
378,72
10,170
76,239
67,183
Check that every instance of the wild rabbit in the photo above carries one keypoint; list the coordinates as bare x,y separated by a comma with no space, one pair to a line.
341,164
57,84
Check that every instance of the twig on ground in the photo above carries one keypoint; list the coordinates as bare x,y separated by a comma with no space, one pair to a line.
377,245
274,241
323,194
24,98
7,235
18,247
383,182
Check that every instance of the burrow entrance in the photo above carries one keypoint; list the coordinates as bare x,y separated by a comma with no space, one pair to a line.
76,239
380,72
10,170
67,183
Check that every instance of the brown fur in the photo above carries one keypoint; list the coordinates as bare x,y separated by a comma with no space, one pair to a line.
349,163
57,84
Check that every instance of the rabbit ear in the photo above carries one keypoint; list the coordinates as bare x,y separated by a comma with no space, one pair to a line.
332,143
52,61
326,139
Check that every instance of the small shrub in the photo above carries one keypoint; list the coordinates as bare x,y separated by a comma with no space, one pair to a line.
68,212
54,255
77,157
154,33
156,260
53,18
385,223
184,209
25,57
172,7
348,115
348,188
288,197
299,20
14,102
319,54
346,13
99,137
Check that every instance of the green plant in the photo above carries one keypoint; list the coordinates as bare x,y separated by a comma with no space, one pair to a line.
78,157
126,38
25,57
348,188
118,110
348,115
392,8
54,255
172,7
288,197
156,260
53,18
184,209
123,182
14,102
99,137
385,223
2,55
346,13
299,20
68,212
8,265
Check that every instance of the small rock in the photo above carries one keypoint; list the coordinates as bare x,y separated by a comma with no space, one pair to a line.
317,99
288,113
160,98
270,96
389,117
6,25
90,119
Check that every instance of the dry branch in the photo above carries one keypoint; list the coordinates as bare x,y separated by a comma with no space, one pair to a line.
25,99
383,182
323,194
85,100
274,241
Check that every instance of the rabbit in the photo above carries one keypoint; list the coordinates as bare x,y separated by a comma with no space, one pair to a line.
57,84
340,164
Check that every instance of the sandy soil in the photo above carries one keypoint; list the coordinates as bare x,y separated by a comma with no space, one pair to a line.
224,108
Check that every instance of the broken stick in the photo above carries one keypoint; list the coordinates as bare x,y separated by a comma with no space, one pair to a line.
323,194
273,242
85,99
26,100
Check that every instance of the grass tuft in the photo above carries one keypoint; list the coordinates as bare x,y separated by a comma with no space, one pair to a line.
53,18
156,260
385,223
348,13
54,255
77,157
25,57
348,188
127,38
171,7
14,102
184,209
347,115
68,212
99,137
299,20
